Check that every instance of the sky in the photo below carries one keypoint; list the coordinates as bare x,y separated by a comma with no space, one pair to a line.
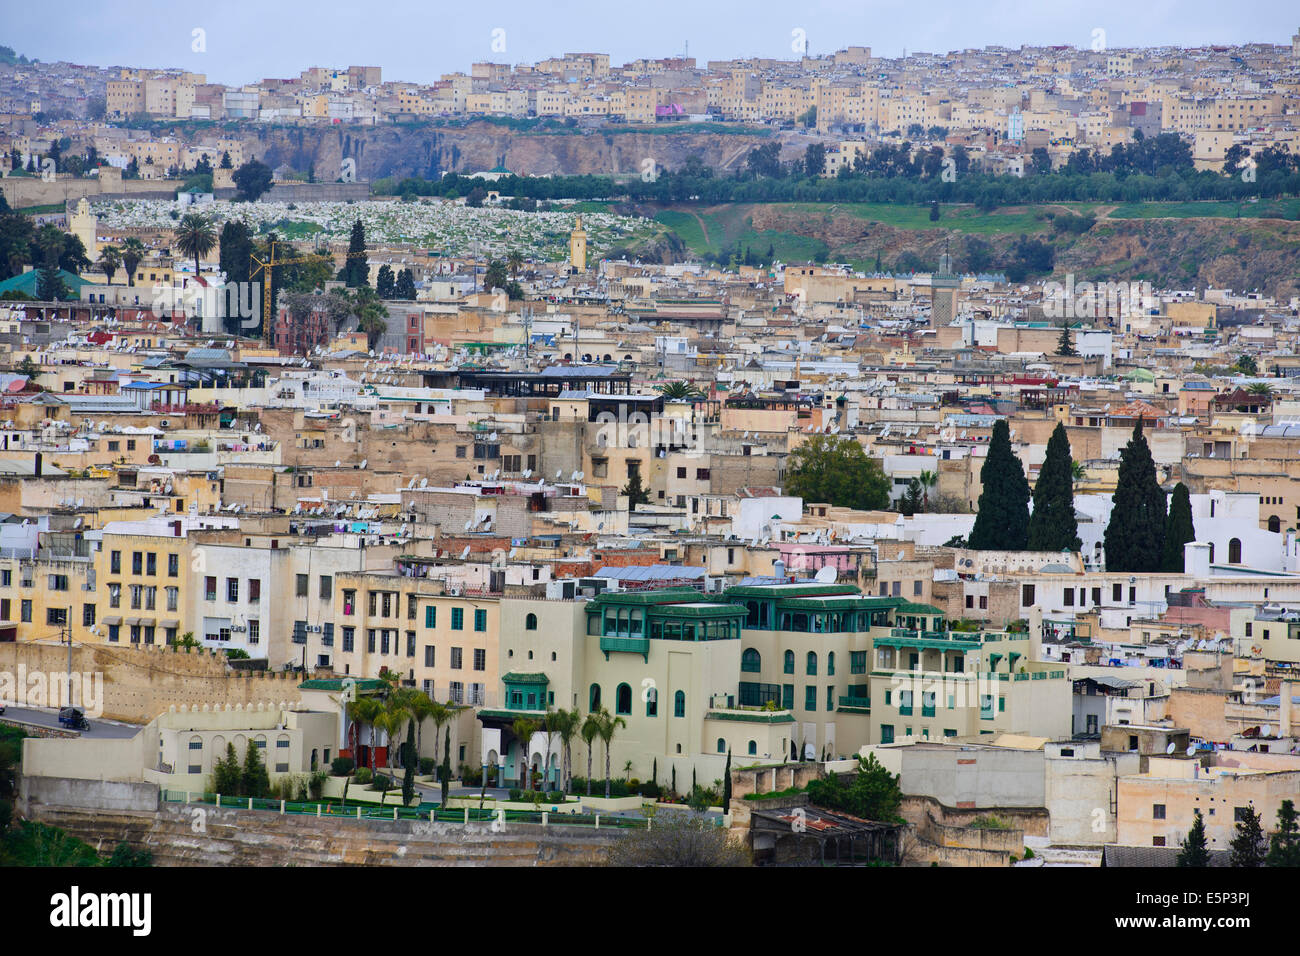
245,41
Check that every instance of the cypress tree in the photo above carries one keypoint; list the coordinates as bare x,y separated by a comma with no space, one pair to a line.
1065,346
356,272
1250,845
1178,528
1135,536
410,758
1002,523
1195,851
1284,848
1053,525
726,785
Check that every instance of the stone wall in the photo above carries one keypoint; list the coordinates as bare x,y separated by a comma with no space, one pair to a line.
141,682
1033,821
180,835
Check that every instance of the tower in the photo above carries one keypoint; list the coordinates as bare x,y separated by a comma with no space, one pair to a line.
578,247
83,224
943,292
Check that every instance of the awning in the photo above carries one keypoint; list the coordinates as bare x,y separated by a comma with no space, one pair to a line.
171,624
111,620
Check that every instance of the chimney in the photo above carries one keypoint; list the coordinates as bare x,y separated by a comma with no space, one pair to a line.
1196,559
36,466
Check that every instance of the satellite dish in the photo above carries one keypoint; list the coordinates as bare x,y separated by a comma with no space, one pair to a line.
1266,730
1171,748
1191,750
826,575
424,482
364,462
465,554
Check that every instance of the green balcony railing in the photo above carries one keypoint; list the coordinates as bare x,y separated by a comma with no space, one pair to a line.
863,703
626,645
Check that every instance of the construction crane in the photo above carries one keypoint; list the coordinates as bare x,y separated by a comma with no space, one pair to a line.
272,263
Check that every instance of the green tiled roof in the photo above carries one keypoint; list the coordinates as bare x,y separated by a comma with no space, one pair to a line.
336,683
28,282
517,678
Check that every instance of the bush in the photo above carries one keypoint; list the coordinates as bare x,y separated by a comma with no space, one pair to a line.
383,783
363,775
427,765
515,794
471,776
342,766
555,796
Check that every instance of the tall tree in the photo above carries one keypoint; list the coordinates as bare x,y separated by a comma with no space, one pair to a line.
384,282
1284,847
235,246
252,180
1135,536
133,252
523,728
254,781
1065,346
404,287
1179,529
1002,523
836,469
1250,845
635,491
1195,851
110,260
590,730
1053,525
195,237
356,272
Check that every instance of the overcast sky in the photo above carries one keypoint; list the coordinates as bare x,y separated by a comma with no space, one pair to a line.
419,41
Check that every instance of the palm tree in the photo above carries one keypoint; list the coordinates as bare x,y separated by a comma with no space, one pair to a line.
110,260
1077,471
420,707
364,711
391,719
1260,388
515,261
551,725
590,731
927,479
680,391
195,237
568,725
366,305
608,725
440,714
133,251
524,728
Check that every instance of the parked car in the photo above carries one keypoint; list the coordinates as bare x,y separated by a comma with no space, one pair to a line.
73,717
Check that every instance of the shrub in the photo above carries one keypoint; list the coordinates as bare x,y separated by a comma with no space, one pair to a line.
383,783
515,794
342,766
555,796
471,776
427,765
363,775
989,822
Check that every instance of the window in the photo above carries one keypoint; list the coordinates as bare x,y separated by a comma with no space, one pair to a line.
429,651
410,645
456,653
530,622
651,702
480,659
326,586
1157,811
679,704
114,563
349,639
916,588
812,662
254,590
722,746
753,748
301,586
593,697
886,733
232,590
431,616
457,619
173,565
751,661
349,602
151,563
789,662
480,620
830,664
810,697
87,615
137,562
209,588
254,631
623,699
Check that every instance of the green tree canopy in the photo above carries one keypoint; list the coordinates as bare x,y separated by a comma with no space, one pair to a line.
873,793
1053,525
1002,522
1178,529
252,180
835,469
1284,848
1135,537
1195,851
1250,845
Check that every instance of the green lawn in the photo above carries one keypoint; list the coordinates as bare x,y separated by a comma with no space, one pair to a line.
1264,209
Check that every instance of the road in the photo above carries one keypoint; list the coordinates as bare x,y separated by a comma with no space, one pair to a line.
100,729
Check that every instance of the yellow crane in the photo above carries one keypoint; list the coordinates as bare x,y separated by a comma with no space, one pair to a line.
271,263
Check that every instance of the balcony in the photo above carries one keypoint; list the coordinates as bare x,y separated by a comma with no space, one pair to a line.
625,645
854,703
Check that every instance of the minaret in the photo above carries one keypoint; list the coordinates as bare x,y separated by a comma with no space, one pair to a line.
84,224
578,247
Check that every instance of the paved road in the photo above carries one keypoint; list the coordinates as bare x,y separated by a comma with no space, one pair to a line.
99,727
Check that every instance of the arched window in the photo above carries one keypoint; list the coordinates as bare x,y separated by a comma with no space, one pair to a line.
753,748
623,699
751,661
679,704
830,663
1234,551
594,698
652,702
1274,523
722,746
789,662
530,622
812,662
